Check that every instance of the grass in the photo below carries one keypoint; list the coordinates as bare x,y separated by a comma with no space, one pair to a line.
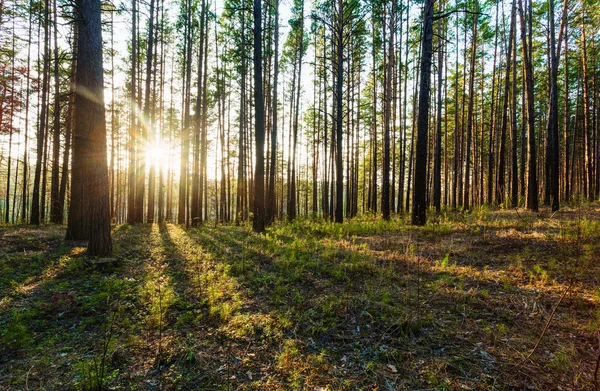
457,304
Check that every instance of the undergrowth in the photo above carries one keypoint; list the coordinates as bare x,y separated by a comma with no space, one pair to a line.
368,304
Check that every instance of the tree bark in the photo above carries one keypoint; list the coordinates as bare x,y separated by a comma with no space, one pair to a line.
56,215
532,183
35,202
258,223
419,210
89,212
470,120
500,189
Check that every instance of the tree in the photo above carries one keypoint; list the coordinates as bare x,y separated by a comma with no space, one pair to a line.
131,199
258,223
437,165
500,189
271,204
385,190
470,120
552,155
146,131
56,207
297,45
89,212
36,212
532,183
419,210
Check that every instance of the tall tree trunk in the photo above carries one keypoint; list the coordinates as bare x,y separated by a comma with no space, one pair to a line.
10,137
455,183
241,177
500,189
567,117
131,198
203,141
326,210
300,51
419,210
491,151
514,156
258,223
272,202
553,154
339,167
41,133
55,205
532,183
145,131
24,202
587,119
385,190
196,209
374,148
89,213
437,163
470,120
185,131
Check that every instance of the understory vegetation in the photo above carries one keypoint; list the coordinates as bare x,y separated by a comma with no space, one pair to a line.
489,300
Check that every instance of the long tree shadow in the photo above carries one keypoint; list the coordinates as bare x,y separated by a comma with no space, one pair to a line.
328,294
207,298
61,314
297,309
25,256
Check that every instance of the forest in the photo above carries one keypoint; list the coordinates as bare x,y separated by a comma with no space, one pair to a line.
300,195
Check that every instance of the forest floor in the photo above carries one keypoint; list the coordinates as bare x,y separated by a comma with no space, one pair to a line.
458,304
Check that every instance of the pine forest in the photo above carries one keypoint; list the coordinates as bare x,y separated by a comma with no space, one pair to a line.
300,195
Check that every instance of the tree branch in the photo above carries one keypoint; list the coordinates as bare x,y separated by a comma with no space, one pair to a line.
445,15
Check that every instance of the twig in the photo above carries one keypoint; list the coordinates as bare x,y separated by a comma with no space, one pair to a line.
27,377
550,319
596,385
445,15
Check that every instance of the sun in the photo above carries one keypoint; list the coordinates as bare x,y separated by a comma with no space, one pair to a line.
157,154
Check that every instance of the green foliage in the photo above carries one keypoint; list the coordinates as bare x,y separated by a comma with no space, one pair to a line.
307,301
15,335
561,360
539,275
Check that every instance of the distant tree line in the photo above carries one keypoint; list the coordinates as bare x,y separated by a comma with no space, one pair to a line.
349,107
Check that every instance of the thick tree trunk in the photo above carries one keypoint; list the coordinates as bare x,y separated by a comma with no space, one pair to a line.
419,210
89,213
